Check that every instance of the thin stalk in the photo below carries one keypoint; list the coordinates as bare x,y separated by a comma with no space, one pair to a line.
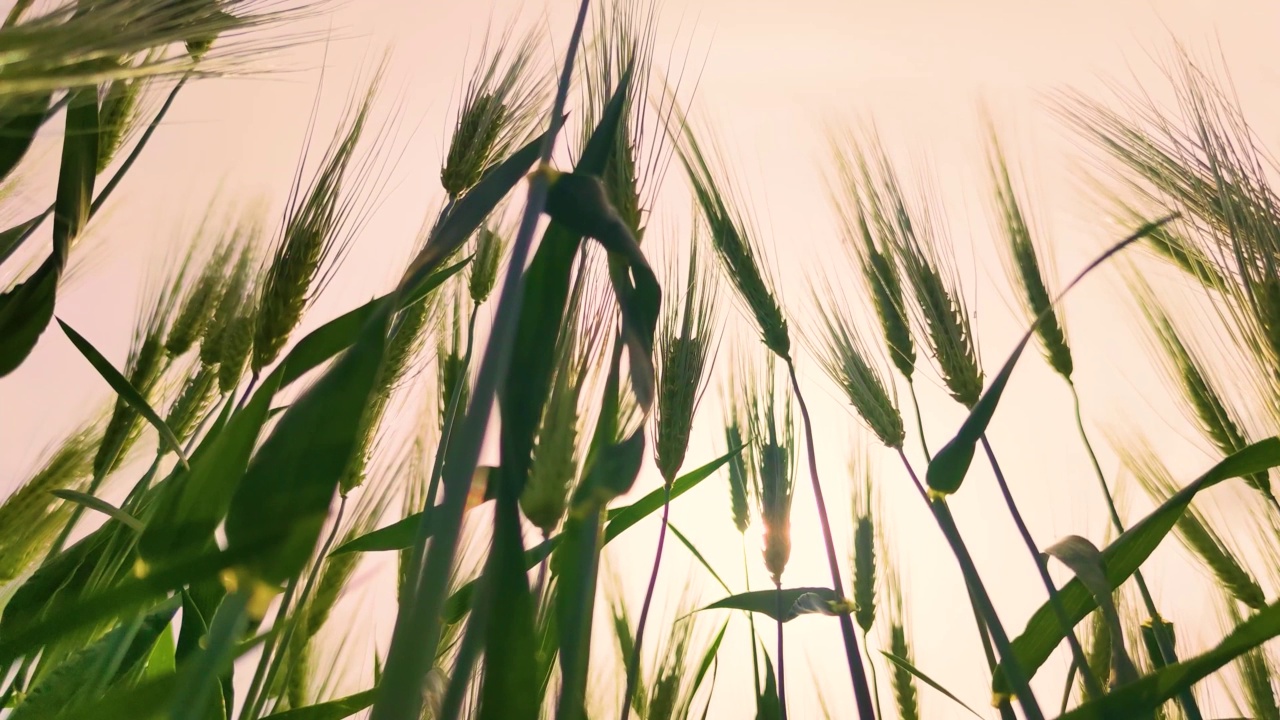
258,690
542,572
417,628
782,672
751,620
861,693
915,403
1163,641
875,684
633,667
468,650
1042,567
978,592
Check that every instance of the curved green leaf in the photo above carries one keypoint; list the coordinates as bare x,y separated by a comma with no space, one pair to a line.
1125,555
915,672
948,468
95,503
22,118
125,390
1148,693
624,517
1088,565
332,710
796,601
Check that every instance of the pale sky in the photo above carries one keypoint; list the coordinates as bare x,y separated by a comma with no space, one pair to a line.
773,76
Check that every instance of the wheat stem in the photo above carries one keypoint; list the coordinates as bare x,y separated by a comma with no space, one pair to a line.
1163,641
875,683
915,403
1077,652
418,623
861,693
633,666
978,593
782,672
751,620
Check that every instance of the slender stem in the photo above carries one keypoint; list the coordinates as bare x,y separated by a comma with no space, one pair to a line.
633,667
861,693
875,683
978,593
782,669
262,682
1163,640
417,627
915,403
751,620
542,572
469,649
1068,628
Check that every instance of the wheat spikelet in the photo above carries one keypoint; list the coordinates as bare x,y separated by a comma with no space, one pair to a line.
317,231
864,552
844,358
739,487
686,341
773,435
1022,262
39,514
482,274
502,101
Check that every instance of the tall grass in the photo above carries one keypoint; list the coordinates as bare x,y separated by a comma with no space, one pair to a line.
196,548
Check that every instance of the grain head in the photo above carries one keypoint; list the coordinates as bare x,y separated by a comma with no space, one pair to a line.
501,103
773,435
1025,263
687,341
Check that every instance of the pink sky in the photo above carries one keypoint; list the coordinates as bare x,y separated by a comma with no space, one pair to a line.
774,75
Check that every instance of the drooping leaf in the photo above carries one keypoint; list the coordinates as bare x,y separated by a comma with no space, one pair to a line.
919,675
77,172
100,505
124,389
1126,554
795,602
949,466
331,710
25,312
1151,691
12,238
1086,562
18,129
64,575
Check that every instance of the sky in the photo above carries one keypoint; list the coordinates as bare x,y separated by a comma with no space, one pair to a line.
772,78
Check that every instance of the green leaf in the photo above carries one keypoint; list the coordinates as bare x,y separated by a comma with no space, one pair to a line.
161,660
191,507
949,466
399,535
25,312
795,601
281,504
12,239
124,389
466,215
545,294
100,505
624,517
1150,692
579,202
511,666
18,129
767,702
1088,565
63,617
64,575
78,170
198,680
332,710
915,672
697,556
1125,555
337,335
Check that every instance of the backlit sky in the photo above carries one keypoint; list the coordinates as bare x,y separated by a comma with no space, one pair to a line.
772,77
